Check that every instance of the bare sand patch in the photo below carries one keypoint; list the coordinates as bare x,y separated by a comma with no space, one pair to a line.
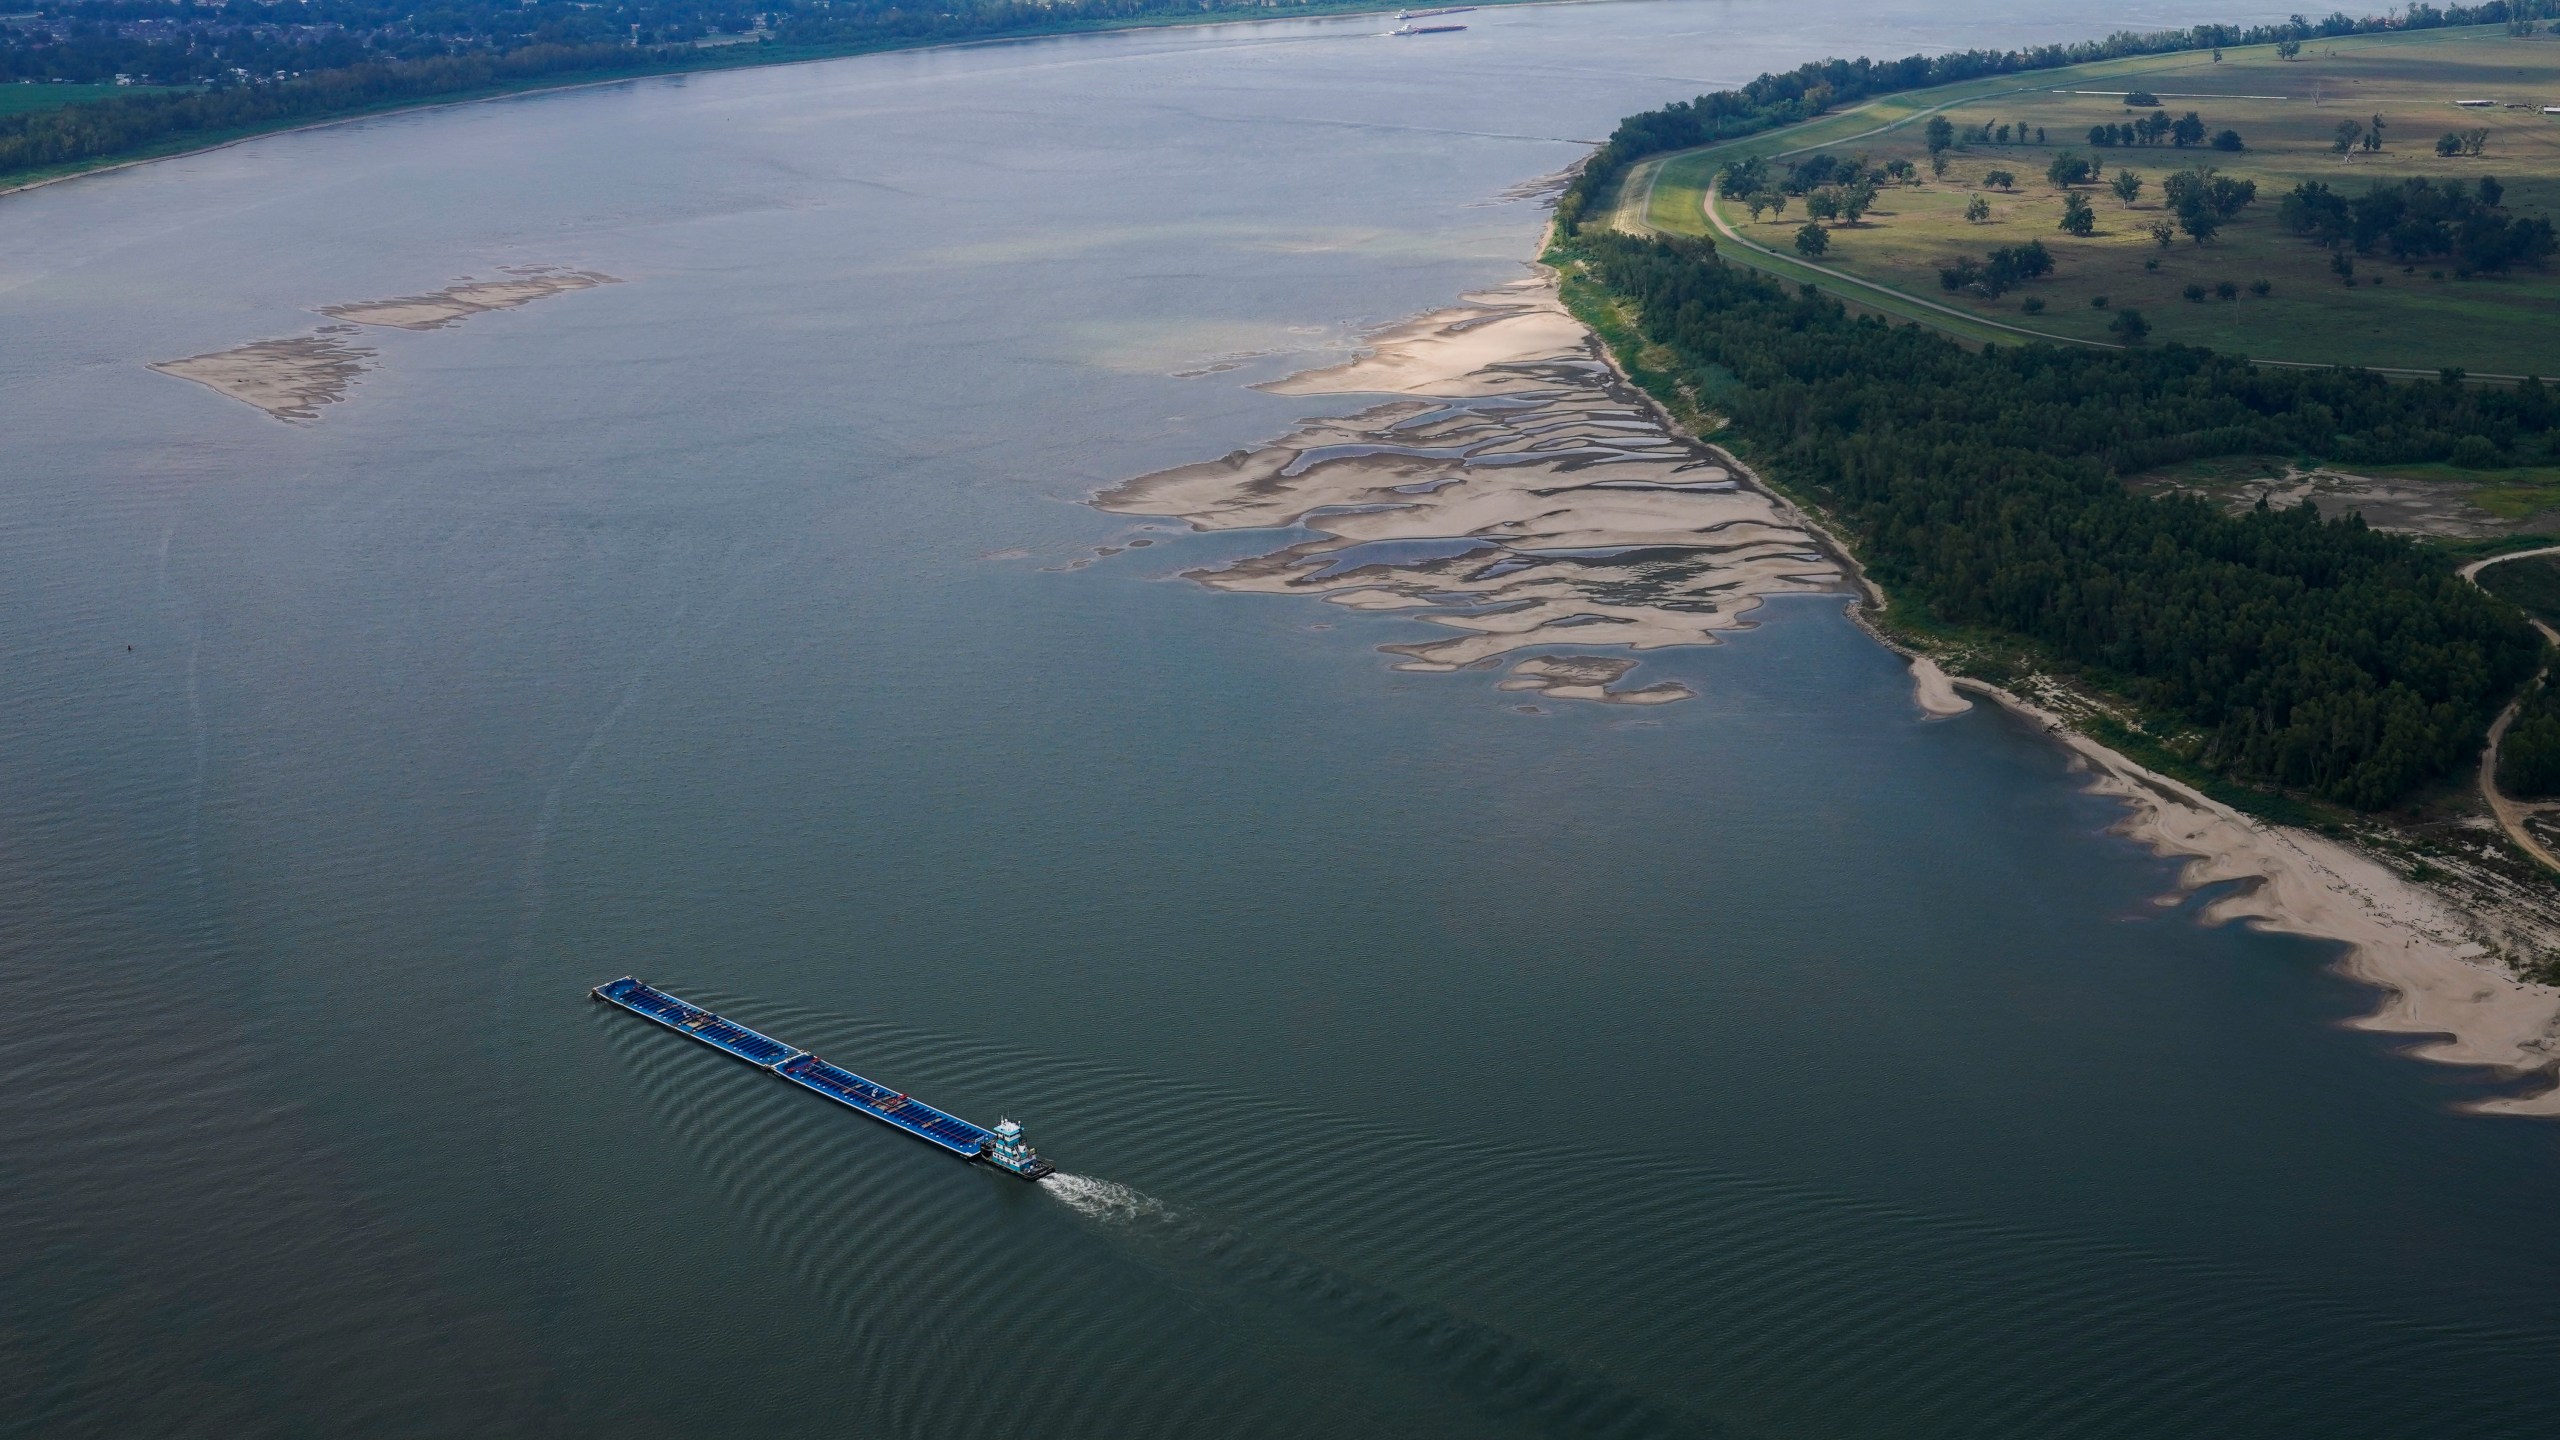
467,298
1520,494
289,379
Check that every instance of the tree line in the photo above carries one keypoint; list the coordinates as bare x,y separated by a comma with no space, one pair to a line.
266,65
1784,98
1985,488
2418,220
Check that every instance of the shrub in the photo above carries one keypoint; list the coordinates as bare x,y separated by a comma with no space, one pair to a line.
2033,304
2475,452
2129,326
2225,290
2193,292
2261,289
2097,302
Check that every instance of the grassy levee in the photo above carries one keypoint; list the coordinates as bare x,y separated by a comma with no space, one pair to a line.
2412,319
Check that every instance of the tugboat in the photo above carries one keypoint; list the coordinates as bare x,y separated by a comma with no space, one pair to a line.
1009,1151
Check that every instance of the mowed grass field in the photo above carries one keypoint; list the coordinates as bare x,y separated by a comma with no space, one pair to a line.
2287,112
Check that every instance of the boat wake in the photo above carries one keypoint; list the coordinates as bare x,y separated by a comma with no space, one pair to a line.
1104,1199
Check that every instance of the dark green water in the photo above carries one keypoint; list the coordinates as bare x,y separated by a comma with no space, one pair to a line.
1771,1064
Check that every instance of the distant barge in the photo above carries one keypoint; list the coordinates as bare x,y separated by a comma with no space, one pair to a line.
1425,29
1003,1147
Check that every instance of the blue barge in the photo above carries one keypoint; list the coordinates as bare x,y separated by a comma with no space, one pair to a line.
1003,1147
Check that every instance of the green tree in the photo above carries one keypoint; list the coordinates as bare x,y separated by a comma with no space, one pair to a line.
2162,233
1938,163
1941,132
2288,49
2348,133
2373,134
2127,186
1812,240
1977,209
2077,217
2129,327
1999,179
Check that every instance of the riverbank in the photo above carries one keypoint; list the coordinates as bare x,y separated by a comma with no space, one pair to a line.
2443,952
761,55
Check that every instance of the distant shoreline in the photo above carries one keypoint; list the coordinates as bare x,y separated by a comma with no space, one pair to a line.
723,58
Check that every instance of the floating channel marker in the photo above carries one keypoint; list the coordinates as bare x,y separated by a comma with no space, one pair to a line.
1002,1147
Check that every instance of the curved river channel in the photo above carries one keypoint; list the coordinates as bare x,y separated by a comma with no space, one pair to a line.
1418,1062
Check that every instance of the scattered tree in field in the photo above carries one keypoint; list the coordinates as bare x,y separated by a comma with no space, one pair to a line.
2127,185
2067,170
2163,232
2129,327
2217,54
1777,202
1856,200
2194,293
1941,133
1812,240
2141,100
1977,210
1901,172
2033,304
1823,205
2186,130
1999,179
2039,134
2097,302
2491,192
2343,265
1755,202
2225,290
2373,135
2004,134
2288,49
1938,164
2228,141
2349,133
2201,225
2077,218
2261,289
1999,272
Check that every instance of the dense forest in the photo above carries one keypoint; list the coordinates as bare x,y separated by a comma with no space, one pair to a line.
254,63
1821,85
2529,758
1984,488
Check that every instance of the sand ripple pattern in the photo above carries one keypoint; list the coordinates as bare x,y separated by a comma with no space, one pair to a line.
1522,494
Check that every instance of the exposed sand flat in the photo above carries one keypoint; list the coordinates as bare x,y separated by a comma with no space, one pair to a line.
2410,941
467,298
1588,677
289,379
1453,352
1522,495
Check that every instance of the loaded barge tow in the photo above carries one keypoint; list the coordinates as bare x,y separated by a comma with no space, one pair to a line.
1003,1147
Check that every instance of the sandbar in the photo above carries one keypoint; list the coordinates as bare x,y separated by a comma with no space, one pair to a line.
466,298
290,379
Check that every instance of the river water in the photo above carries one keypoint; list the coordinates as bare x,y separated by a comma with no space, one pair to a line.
1773,1063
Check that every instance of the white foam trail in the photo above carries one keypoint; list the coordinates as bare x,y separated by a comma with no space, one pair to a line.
1104,1199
